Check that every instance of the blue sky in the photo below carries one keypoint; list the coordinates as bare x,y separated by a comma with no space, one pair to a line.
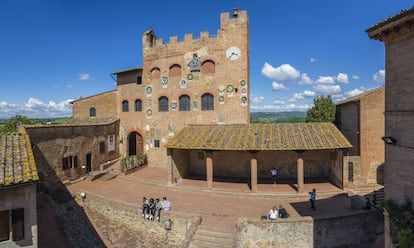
59,50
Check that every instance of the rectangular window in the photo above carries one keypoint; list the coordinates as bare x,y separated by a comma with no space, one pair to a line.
4,225
69,162
102,147
157,143
18,224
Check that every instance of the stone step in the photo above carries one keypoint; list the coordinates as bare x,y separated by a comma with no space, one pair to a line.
208,238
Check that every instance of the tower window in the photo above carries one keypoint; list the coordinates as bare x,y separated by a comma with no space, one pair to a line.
207,102
163,104
184,103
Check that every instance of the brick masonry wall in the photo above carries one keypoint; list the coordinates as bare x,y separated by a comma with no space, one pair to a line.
52,143
371,130
351,230
399,114
104,103
362,123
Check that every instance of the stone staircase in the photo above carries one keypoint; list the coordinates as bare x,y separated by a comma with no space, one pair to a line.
204,238
215,232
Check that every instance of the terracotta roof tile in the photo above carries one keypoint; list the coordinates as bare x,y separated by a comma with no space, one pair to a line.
284,136
17,164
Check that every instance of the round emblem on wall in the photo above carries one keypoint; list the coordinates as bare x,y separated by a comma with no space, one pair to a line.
164,81
190,76
149,112
148,90
243,83
183,83
230,88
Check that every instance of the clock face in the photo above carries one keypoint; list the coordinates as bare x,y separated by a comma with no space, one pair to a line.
233,53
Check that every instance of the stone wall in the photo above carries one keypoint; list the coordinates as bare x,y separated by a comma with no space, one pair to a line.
51,144
121,225
355,229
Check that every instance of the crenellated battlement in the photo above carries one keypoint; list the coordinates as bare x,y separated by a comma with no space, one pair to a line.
227,23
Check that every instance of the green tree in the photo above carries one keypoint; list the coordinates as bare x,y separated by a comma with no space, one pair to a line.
14,122
323,110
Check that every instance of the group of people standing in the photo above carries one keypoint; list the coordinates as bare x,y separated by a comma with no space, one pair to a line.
151,208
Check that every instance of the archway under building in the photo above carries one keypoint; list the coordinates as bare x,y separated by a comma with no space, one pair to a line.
135,144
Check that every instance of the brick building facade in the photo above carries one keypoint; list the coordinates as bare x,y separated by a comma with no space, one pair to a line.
361,120
201,80
397,34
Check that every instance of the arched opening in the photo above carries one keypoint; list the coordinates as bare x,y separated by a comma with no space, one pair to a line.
135,144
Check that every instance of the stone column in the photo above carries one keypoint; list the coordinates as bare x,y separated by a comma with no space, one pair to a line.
300,173
209,169
253,172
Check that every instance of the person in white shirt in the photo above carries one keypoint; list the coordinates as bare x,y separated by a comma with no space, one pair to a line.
166,205
273,213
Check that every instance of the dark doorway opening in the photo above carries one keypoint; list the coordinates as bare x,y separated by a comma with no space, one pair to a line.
88,162
135,144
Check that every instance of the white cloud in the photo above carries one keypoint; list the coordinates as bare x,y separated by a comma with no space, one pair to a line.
257,99
284,72
300,96
305,79
325,80
279,102
312,60
327,89
296,96
356,77
342,78
338,97
278,86
353,92
279,108
34,108
83,76
309,93
379,76
69,86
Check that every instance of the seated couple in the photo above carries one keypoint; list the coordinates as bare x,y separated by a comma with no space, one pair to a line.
274,213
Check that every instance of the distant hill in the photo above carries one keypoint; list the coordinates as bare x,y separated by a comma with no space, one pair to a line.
277,117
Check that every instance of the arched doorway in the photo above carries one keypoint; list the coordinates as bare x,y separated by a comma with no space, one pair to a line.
135,144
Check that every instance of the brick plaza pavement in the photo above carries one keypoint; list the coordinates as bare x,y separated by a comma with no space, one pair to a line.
221,206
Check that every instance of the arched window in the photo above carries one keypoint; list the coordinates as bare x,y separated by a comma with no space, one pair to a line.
138,105
207,102
208,67
125,107
184,103
92,112
175,71
155,73
163,104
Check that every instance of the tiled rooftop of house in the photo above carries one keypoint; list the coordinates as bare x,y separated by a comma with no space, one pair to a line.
17,162
254,137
